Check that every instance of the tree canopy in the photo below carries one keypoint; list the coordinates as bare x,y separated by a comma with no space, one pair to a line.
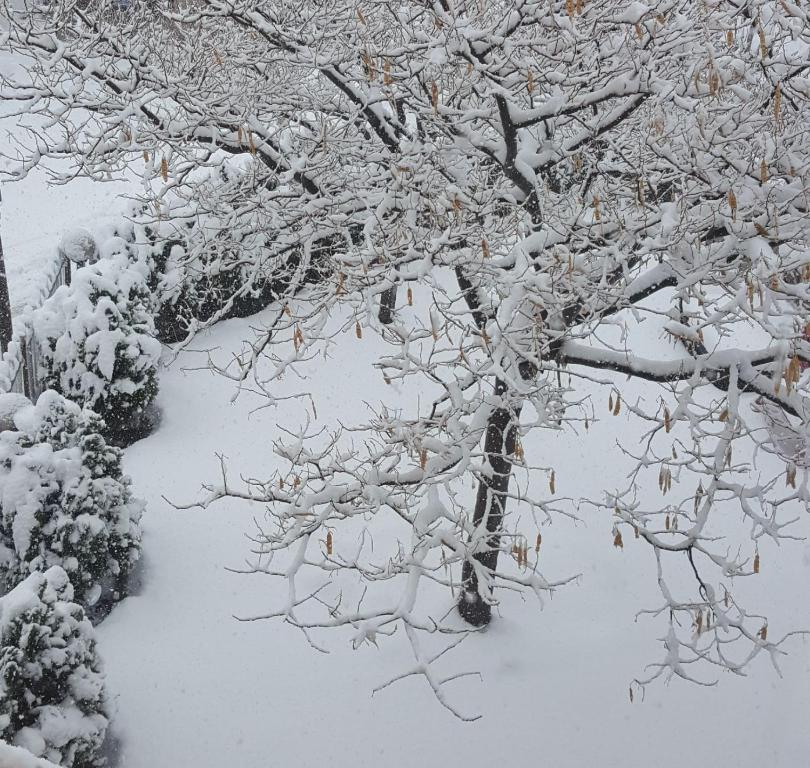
550,180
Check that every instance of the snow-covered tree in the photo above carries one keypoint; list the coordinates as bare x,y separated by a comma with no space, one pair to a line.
52,698
64,501
513,196
97,339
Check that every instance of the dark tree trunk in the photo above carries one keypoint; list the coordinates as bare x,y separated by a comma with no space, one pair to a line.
388,303
490,504
499,444
5,303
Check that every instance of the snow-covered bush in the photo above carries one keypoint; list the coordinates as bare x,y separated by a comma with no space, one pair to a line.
210,261
17,757
64,501
52,698
97,339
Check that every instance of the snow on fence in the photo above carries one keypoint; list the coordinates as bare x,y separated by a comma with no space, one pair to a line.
21,368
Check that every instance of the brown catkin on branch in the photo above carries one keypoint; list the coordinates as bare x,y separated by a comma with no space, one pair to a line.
763,43
777,104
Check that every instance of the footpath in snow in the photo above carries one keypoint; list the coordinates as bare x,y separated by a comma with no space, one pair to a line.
195,687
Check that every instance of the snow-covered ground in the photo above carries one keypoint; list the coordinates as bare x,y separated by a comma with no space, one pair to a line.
195,687
35,213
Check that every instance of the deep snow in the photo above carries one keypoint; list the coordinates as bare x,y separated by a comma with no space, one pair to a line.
195,687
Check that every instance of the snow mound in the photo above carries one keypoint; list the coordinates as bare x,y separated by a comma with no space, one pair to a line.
79,246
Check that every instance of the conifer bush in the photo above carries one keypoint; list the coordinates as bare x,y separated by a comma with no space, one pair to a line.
97,339
52,696
65,501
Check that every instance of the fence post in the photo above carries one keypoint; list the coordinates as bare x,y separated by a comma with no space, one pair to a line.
28,390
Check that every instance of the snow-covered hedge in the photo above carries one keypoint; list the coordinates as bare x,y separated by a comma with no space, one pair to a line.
214,253
97,339
64,501
204,260
52,698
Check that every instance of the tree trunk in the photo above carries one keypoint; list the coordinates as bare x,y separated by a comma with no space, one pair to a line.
388,304
5,303
490,505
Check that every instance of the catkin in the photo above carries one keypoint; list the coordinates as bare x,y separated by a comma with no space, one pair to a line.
763,43
732,204
777,104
